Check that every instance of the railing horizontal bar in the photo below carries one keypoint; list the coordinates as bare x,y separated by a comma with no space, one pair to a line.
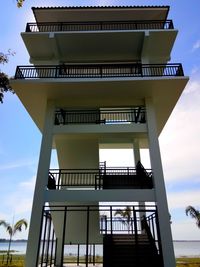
107,168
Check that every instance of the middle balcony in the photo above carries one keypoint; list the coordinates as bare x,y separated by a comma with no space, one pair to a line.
102,178
101,116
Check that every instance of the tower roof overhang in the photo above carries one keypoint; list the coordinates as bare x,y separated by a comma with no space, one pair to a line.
104,13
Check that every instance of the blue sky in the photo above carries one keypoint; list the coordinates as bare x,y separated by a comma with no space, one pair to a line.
179,142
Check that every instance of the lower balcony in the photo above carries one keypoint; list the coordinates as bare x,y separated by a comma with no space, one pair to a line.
102,178
100,236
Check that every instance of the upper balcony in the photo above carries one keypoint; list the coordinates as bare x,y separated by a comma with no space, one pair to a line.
99,34
99,26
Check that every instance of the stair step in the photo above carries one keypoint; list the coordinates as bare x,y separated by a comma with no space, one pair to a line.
123,251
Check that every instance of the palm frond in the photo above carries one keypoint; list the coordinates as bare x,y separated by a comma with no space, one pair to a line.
119,212
3,223
18,226
194,213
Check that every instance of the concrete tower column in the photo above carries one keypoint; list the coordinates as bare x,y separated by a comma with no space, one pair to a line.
40,187
136,151
160,192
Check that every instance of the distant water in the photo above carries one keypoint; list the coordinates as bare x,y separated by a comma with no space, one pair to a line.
181,248
187,248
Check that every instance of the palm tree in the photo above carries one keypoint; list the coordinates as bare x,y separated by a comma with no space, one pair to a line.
126,216
12,230
194,213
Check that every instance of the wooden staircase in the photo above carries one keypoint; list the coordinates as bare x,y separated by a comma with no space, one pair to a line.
125,250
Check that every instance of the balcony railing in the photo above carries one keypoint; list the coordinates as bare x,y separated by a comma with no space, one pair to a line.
96,179
99,71
99,26
100,116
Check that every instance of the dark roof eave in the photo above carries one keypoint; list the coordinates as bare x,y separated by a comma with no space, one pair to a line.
96,7
99,7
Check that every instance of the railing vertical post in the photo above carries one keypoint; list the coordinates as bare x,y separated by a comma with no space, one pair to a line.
106,225
63,234
101,71
59,178
111,226
95,181
48,239
171,25
181,73
136,234
56,246
78,254
158,234
153,226
56,71
52,245
87,235
44,236
132,226
141,69
16,73
94,254
28,29
61,26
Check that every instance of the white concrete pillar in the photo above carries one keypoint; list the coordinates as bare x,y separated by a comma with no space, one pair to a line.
40,187
160,192
59,252
136,150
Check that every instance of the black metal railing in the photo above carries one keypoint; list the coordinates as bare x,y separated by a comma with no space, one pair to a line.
150,224
106,222
99,26
109,178
119,225
98,71
100,116
48,243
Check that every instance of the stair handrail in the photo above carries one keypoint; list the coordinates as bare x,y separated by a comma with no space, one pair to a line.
147,229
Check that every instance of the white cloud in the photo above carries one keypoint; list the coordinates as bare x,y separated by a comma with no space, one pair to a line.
180,140
196,45
180,200
105,3
20,202
183,227
28,185
193,85
17,164
194,70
